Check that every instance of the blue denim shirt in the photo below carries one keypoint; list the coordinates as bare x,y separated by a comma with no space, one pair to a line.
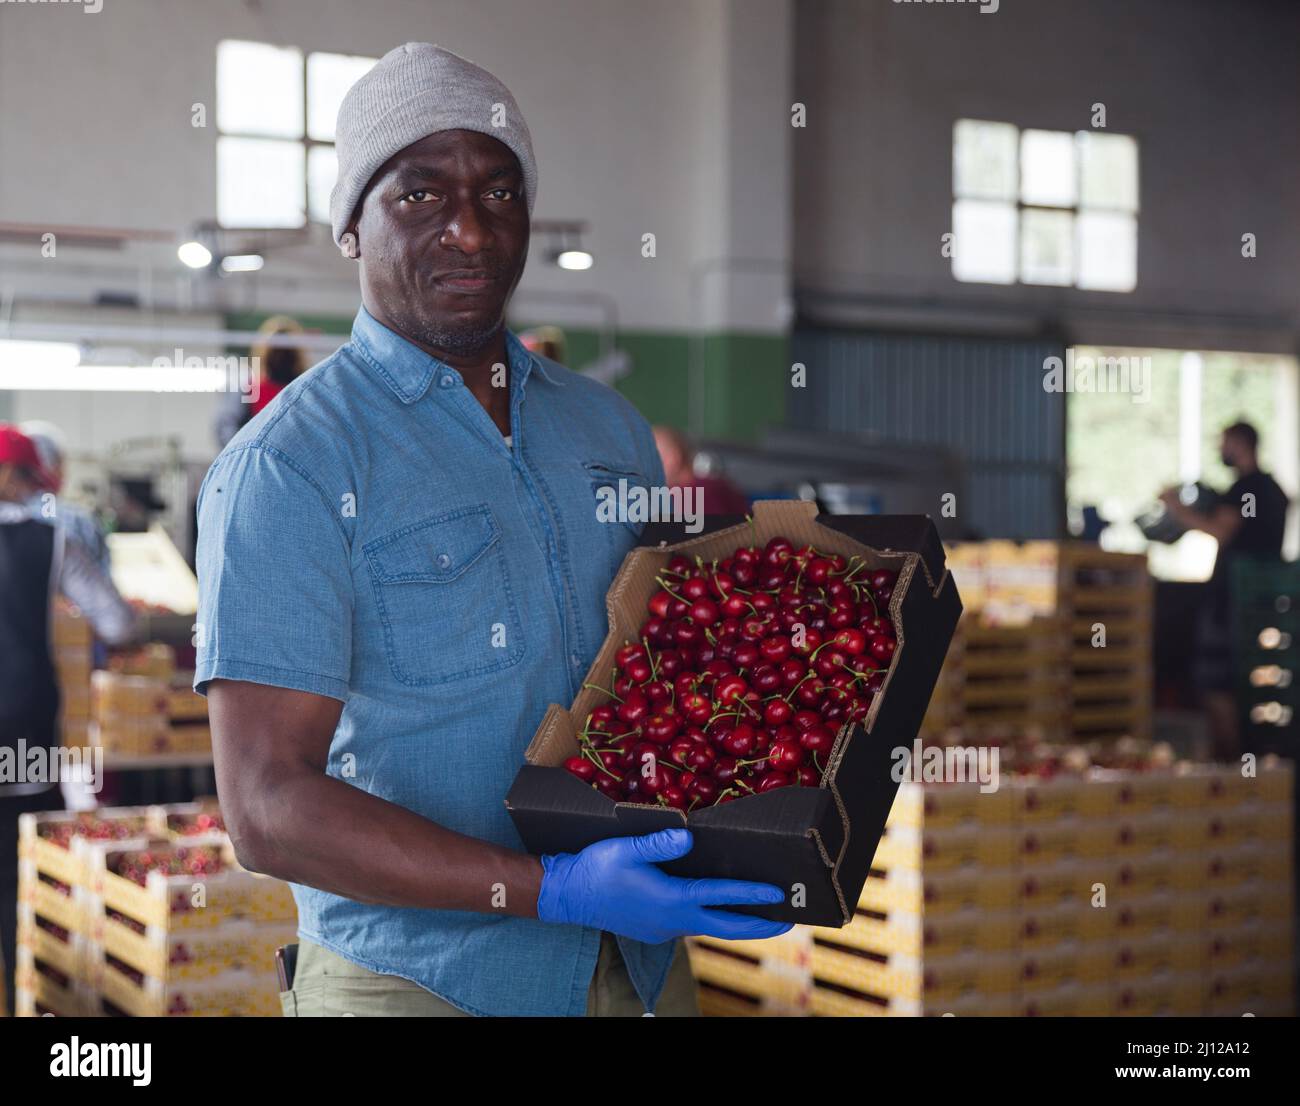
371,537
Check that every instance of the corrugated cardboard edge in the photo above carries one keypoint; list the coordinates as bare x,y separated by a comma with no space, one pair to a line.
556,737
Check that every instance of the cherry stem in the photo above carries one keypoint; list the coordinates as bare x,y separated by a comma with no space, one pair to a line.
603,691
806,676
654,668
663,584
591,756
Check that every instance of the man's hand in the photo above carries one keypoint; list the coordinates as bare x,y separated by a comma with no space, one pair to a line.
614,885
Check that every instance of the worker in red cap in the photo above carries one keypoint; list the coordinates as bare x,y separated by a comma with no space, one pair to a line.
37,560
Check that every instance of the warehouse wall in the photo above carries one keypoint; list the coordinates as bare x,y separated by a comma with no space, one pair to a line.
980,399
1207,88
645,118
669,118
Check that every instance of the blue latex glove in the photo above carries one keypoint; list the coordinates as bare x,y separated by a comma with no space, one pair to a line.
614,885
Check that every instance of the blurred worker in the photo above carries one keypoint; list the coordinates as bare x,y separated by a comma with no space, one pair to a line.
51,449
1248,523
719,495
276,367
38,559
545,340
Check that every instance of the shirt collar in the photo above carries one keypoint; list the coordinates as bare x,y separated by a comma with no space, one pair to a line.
409,371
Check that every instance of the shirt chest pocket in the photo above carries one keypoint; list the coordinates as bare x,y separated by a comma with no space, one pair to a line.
444,597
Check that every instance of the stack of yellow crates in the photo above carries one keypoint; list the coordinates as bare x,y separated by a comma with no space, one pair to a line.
1073,624
50,969
71,647
144,707
770,978
1111,893
95,940
1000,680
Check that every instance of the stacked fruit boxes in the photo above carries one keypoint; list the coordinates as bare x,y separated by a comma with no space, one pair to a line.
71,646
148,710
999,680
1099,607
770,978
135,939
50,967
1117,892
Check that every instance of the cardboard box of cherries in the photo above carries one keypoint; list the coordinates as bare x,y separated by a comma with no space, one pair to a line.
753,687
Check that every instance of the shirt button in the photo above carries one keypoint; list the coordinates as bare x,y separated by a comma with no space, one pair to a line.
446,381
444,560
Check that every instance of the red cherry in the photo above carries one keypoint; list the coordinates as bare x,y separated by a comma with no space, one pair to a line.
661,728
772,780
582,768
792,671
722,584
701,756
624,655
634,708
882,578
766,680
777,551
882,648
659,692
786,756
817,739
687,635
705,612
671,662
851,641
746,654
674,796
694,588
777,712
817,570
741,741
724,770
775,649
807,776
730,689
660,603
811,641
680,750
705,791
695,708
734,606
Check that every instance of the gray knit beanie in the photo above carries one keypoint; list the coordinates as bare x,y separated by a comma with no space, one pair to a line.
414,91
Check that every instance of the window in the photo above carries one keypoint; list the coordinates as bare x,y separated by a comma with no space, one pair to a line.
1044,207
1121,454
275,123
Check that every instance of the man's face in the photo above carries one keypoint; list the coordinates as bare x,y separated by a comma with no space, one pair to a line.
443,236
1229,451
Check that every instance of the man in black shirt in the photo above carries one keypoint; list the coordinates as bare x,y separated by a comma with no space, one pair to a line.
1248,522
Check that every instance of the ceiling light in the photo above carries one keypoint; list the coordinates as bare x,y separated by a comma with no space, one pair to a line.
242,263
195,254
574,259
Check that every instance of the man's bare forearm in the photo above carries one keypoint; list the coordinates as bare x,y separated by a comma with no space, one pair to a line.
316,830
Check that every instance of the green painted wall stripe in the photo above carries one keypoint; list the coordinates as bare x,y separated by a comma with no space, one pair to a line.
743,378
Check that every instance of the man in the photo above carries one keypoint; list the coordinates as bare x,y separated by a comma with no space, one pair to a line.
1248,522
38,559
52,450
718,495
431,488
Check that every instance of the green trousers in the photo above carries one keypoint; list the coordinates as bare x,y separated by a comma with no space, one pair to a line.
327,985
